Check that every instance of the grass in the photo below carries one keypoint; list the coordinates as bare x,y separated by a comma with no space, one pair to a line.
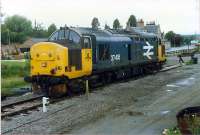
193,125
172,131
14,68
12,74
7,84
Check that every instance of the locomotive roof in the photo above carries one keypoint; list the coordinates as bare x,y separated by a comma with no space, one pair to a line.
137,33
91,31
101,34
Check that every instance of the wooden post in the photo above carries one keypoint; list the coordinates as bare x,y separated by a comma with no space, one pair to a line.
87,88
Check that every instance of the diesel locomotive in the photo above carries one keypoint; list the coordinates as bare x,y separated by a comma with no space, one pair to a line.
72,55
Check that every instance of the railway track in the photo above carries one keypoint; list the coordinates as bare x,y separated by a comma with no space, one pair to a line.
22,106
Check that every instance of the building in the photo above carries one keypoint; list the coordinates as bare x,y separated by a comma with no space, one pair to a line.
140,23
16,49
151,27
25,47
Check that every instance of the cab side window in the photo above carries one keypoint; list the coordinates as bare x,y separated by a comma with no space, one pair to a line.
137,39
86,42
54,36
142,39
74,37
159,41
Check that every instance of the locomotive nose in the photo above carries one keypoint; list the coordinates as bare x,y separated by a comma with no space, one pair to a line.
48,59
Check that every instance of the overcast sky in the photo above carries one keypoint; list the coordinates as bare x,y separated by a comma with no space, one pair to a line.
180,16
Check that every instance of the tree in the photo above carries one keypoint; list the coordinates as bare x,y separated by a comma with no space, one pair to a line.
39,31
18,28
175,39
4,34
170,35
187,39
51,29
106,26
116,24
95,23
132,21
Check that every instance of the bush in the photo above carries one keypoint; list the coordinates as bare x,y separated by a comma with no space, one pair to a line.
12,73
14,68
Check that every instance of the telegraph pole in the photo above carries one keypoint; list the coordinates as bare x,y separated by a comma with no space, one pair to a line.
1,14
198,12
198,16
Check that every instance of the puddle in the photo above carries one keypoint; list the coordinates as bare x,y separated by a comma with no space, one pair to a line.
169,90
186,82
171,85
164,112
191,78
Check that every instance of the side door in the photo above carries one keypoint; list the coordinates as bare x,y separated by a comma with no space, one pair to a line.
87,54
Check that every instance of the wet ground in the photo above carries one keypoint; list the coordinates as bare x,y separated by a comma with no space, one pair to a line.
153,113
143,106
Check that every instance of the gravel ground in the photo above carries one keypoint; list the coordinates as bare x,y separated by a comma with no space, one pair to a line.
143,106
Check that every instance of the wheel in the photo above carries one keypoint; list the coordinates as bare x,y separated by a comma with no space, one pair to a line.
58,90
36,88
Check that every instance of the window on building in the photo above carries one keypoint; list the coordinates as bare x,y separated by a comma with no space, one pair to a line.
74,37
104,52
54,36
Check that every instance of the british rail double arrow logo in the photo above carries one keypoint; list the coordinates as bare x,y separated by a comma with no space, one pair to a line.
148,52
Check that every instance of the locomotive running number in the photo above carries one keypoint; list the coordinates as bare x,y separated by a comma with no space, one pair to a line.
115,57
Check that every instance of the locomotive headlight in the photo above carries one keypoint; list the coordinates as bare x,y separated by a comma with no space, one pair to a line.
44,64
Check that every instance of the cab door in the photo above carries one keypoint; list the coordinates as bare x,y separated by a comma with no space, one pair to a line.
87,54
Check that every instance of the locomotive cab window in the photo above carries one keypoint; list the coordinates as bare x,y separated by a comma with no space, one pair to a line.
61,35
74,37
67,34
54,36
104,52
